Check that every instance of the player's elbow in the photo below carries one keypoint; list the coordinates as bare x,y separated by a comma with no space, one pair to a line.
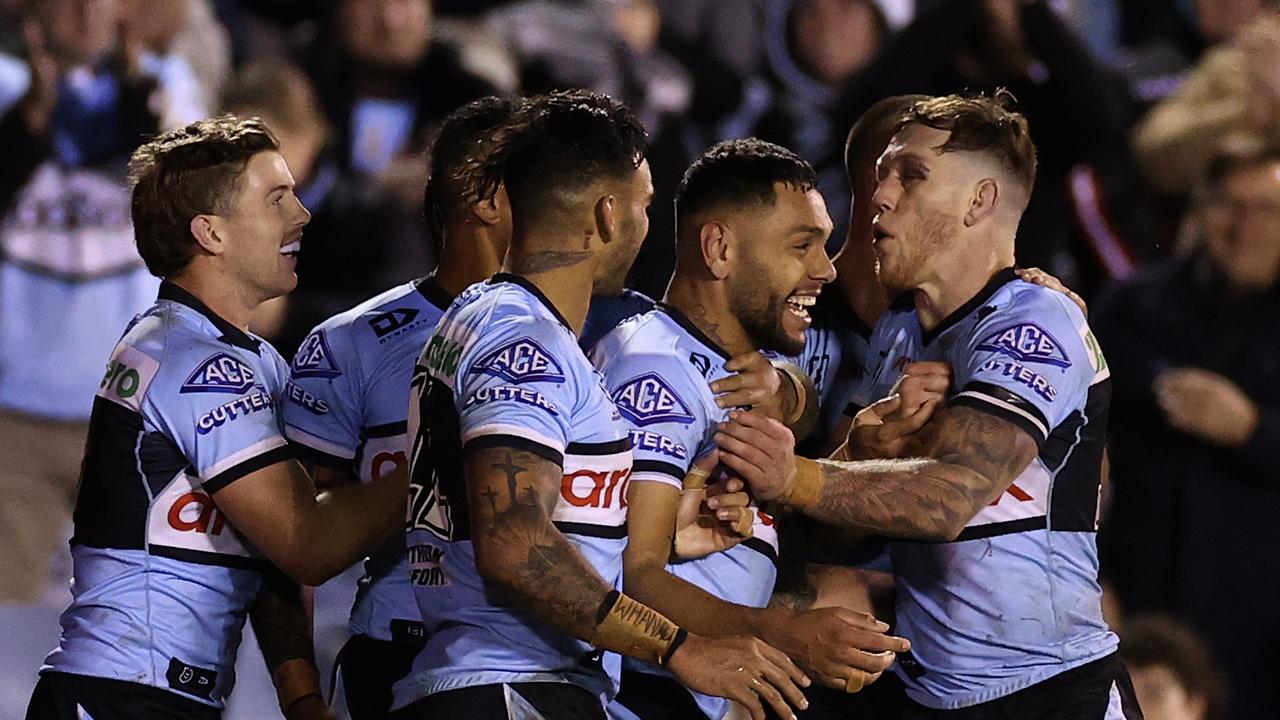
309,569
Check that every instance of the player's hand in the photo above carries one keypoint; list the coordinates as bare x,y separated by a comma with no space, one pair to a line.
885,428
311,707
838,647
760,450
1036,276
744,669
756,384
1206,405
710,519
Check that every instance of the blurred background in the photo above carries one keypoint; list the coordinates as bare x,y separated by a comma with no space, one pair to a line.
1132,105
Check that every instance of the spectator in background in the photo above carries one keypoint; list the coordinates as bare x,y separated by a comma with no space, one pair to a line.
359,241
1173,672
184,37
1194,347
1229,102
1088,219
384,81
70,276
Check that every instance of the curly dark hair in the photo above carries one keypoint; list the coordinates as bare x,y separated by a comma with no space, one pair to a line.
466,136
741,173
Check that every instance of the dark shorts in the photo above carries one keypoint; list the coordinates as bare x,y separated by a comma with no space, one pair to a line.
369,668
552,701
656,697
60,696
1100,690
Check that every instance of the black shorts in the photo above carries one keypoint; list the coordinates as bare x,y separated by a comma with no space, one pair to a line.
60,696
552,701
656,697
1100,690
369,668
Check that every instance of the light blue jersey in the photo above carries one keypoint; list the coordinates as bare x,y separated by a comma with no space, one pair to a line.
346,407
1015,599
658,368
163,582
503,369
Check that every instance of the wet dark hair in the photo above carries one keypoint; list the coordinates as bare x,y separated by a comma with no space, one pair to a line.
741,173
465,136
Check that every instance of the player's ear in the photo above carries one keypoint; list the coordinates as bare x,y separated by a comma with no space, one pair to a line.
607,211
716,240
489,210
986,193
206,230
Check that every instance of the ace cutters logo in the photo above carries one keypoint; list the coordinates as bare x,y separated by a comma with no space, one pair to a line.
1027,342
315,359
521,361
221,373
648,399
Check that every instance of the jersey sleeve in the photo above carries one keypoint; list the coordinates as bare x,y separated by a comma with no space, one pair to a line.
220,407
322,405
664,406
1026,362
518,387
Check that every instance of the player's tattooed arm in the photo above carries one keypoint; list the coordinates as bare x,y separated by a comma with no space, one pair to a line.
965,460
281,615
518,549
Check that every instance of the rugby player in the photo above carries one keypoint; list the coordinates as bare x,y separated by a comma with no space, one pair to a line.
520,461
189,491
998,589
346,403
751,261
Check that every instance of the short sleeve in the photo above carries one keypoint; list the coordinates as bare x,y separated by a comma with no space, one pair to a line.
322,405
517,387
1027,363
221,408
664,407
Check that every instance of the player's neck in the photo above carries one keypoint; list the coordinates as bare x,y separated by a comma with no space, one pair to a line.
227,300
938,298
469,256
565,278
706,306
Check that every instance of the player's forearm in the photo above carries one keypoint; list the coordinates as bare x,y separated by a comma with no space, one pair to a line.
688,605
913,498
347,523
281,615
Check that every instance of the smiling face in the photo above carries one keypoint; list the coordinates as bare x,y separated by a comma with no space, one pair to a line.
920,201
780,267
261,228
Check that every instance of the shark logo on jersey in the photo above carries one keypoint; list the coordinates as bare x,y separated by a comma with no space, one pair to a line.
1027,342
648,399
521,361
221,373
314,358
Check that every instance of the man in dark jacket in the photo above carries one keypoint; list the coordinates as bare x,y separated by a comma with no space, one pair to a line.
1194,347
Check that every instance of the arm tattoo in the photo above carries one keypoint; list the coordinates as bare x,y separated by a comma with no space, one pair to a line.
513,493
973,457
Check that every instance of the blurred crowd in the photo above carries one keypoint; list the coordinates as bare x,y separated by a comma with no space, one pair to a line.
1158,129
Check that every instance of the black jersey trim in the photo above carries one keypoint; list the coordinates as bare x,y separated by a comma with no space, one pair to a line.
1006,404
312,456
504,277
384,430
200,557
515,442
684,322
429,288
657,466
999,280
231,334
610,447
609,532
283,453
1008,527
762,547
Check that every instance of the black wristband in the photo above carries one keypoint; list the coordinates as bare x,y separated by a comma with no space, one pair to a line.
606,605
681,636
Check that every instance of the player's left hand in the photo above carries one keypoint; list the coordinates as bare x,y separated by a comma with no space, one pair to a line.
712,518
1206,405
756,384
760,450
1036,276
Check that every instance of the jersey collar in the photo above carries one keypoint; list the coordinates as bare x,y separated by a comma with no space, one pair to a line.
683,321
430,289
505,277
231,334
999,280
